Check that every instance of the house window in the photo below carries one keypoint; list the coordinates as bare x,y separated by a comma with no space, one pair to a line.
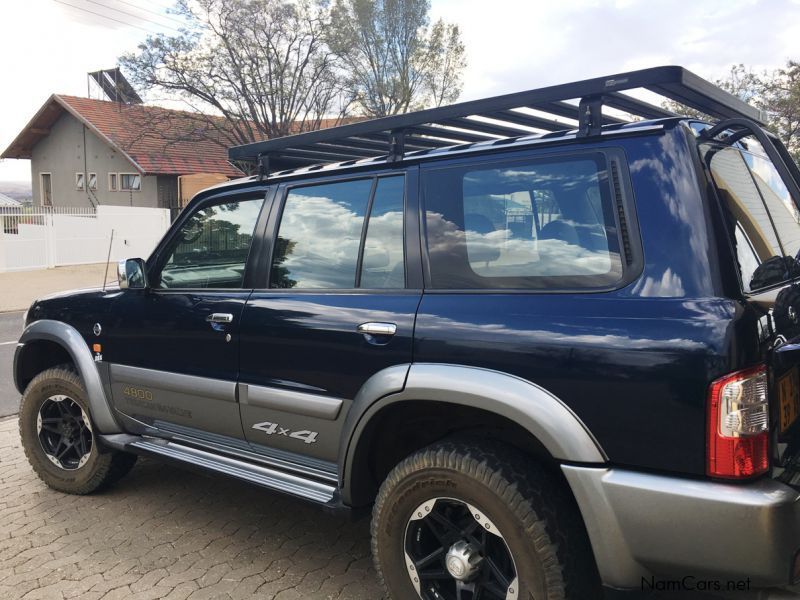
92,181
79,181
130,182
112,182
46,190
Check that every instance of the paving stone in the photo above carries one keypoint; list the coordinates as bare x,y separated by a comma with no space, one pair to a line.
163,532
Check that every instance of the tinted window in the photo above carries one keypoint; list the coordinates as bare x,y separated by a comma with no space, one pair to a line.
319,236
781,207
383,265
210,248
762,216
524,224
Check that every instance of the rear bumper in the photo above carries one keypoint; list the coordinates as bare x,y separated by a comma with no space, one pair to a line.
647,527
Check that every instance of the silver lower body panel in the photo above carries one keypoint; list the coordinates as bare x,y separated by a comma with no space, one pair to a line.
644,525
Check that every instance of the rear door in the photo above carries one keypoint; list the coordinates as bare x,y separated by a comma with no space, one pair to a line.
762,221
336,307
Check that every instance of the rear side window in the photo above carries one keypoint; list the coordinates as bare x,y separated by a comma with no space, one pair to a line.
532,224
325,240
319,236
383,264
762,217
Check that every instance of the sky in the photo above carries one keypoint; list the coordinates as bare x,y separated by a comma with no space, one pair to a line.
48,46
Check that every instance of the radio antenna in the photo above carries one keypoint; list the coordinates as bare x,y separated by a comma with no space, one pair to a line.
108,260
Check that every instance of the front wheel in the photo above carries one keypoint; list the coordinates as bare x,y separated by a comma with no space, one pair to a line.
458,521
58,438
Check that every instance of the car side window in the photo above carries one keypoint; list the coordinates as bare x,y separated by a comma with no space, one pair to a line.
544,223
383,263
765,222
210,249
319,236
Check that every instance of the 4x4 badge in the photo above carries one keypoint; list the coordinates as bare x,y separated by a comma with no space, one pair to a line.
309,437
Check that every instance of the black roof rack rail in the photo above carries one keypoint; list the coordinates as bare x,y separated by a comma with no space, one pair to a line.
499,117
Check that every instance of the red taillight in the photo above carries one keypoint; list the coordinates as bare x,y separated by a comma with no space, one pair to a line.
738,425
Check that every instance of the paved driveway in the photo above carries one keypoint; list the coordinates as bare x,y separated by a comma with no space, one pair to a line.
169,533
164,532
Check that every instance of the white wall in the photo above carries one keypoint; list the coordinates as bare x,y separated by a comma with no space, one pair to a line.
51,238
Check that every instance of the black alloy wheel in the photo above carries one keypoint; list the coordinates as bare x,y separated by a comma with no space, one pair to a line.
65,432
454,552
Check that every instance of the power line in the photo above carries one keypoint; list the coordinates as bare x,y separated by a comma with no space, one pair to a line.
152,12
97,14
169,4
130,14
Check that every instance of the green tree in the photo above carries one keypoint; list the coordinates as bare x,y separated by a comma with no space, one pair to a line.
776,92
740,81
780,98
395,59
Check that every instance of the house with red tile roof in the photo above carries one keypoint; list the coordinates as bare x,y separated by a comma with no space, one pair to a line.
87,152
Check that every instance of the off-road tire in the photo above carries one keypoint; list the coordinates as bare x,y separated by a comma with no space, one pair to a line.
103,467
530,506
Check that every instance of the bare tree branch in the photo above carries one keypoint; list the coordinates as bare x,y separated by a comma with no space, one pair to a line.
253,69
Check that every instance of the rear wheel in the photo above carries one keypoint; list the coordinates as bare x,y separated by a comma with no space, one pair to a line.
458,521
57,435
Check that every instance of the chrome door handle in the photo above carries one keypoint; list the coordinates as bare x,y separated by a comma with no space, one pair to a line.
378,328
220,318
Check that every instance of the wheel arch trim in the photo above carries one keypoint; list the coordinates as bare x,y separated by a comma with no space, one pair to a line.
73,343
543,415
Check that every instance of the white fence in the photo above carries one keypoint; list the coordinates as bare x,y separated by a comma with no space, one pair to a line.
45,237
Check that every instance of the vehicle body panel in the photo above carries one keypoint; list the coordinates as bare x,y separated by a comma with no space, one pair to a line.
302,351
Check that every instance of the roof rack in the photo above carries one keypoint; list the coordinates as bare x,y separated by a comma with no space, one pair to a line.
500,117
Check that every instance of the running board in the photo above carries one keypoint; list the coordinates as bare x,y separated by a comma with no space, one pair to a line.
264,476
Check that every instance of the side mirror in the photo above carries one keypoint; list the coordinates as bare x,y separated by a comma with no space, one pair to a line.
131,274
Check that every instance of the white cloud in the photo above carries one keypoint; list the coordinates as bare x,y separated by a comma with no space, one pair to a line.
513,45
48,47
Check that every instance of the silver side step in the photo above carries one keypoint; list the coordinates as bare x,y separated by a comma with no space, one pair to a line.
260,475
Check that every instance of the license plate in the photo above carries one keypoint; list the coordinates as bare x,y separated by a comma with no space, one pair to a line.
789,393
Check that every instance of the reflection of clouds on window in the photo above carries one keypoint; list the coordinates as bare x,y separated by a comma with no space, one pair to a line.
239,213
320,233
496,254
574,175
511,225
383,262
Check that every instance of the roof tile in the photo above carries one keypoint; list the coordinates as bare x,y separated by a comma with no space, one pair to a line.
161,141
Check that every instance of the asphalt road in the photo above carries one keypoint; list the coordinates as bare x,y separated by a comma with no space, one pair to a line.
10,330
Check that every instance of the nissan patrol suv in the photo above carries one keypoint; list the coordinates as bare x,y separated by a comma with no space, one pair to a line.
550,338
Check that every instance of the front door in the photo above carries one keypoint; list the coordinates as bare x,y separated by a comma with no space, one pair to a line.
173,347
339,306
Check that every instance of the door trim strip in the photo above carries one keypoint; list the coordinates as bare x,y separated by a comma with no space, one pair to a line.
216,389
300,403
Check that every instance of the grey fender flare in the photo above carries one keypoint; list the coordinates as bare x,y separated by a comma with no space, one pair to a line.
68,338
548,419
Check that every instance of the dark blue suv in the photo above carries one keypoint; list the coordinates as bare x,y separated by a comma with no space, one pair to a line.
554,348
